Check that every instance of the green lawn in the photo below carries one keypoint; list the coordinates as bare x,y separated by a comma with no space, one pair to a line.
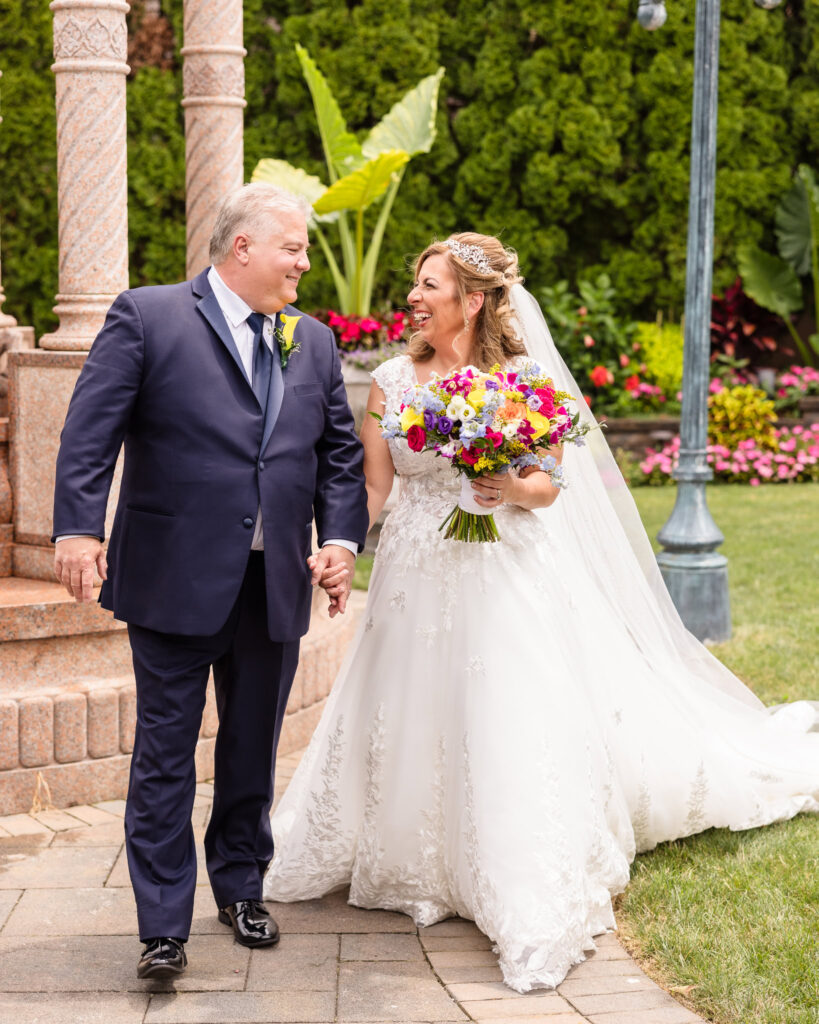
730,921
736,915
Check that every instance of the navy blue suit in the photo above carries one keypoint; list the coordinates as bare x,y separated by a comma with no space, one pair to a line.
164,378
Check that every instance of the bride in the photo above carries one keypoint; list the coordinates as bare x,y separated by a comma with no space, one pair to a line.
515,720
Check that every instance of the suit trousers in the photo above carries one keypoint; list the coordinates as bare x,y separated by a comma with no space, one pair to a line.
252,677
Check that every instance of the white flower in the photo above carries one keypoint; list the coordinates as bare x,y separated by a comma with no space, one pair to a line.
467,413
509,430
450,448
456,407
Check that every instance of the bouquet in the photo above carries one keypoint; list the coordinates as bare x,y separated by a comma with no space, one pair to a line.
486,423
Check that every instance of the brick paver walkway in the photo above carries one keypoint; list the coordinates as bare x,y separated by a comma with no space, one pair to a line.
68,951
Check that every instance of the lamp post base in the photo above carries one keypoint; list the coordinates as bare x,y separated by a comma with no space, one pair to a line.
698,584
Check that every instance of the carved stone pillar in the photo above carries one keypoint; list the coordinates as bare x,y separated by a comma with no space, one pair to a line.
5,319
214,89
90,46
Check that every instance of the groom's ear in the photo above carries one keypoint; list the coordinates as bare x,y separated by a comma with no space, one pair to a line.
241,248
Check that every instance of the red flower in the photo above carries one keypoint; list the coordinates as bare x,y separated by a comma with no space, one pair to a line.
632,382
600,376
470,455
416,438
495,436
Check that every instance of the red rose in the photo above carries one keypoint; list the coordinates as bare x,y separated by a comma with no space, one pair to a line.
416,438
470,456
495,436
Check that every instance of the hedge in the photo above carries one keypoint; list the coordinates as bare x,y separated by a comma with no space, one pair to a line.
563,126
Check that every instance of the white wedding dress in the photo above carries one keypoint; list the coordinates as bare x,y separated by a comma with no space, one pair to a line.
499,742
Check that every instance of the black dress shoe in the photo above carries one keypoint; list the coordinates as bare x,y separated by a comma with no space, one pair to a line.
162,958
251,922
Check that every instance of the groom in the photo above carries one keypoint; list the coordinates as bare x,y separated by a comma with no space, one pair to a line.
237,433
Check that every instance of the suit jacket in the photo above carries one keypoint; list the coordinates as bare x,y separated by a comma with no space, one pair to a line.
164,377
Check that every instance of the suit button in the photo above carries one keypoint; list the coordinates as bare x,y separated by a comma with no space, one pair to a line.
261,465
247,521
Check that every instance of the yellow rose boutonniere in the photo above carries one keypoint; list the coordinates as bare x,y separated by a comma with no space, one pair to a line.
284,337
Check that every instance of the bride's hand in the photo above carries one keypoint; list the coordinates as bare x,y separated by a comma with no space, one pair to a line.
493,491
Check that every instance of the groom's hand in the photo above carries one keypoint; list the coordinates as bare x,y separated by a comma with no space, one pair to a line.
332,569
75,559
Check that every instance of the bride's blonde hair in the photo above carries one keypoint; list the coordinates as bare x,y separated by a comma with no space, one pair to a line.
495,337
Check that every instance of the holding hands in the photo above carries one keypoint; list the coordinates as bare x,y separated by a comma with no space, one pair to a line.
332,569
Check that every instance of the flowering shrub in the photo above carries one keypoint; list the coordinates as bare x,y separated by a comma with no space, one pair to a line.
741,413
365,341
795,383
794,459
603,350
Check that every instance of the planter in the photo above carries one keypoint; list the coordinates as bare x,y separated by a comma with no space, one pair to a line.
809,408
357,383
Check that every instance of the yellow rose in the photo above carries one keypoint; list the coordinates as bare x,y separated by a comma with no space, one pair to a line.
540,423
411,418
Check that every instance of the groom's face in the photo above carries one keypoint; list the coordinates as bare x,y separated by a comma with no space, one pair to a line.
275,264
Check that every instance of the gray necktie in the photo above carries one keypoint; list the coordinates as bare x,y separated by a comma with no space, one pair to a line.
262,360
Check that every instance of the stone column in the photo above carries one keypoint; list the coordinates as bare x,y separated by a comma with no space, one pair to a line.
214,89
90,47
5,319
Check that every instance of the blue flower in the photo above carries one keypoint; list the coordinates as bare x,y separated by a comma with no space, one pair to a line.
548,464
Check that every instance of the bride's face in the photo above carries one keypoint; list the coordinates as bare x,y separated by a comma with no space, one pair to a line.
437,313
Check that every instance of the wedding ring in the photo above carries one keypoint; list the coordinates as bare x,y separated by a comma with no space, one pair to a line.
497,494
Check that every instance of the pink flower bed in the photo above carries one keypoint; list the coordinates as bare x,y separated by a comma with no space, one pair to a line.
796,459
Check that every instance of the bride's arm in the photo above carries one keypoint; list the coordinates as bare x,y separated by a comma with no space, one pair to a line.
532,488
379,471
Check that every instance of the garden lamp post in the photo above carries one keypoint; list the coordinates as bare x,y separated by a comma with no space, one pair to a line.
694,572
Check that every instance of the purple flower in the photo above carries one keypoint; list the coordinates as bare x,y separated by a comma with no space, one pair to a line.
444,424
429,419
492,385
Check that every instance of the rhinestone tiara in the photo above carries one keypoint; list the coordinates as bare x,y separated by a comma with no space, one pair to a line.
471,254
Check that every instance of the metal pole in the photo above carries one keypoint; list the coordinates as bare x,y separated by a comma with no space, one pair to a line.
695,574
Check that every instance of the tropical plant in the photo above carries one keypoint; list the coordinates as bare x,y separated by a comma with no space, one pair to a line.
743,330
359,174
774,281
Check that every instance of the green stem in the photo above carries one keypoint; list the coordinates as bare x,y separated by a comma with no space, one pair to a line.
347,247
803,348
342,287
359,261
375,242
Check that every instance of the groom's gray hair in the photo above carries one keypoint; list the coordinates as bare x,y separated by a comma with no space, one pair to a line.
254,208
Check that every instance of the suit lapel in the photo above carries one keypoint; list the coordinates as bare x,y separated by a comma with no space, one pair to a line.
212,312
274,395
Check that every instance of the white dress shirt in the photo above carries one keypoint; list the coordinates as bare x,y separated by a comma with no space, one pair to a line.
236,311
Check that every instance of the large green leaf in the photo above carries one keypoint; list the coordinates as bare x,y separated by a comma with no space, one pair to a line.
357,190
341,148
293,179
770,281
794,234
410,124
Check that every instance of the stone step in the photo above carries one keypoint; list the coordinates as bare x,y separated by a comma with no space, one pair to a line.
68,699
